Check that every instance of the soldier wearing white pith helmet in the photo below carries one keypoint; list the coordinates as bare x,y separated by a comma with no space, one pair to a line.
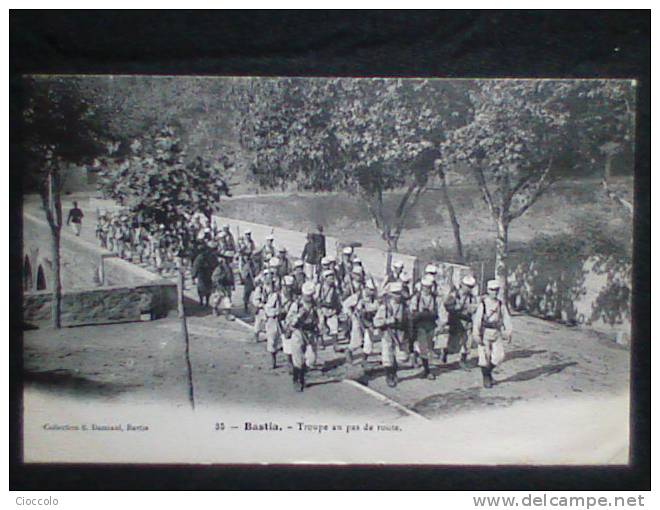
491,326
432,270
268,250
361,307
289,297
285,263
346,263
299,276
226,239
462,304
325,266
428,315
394,275
246,245
266,285
349,285
328,298
392,320
276,307
303,322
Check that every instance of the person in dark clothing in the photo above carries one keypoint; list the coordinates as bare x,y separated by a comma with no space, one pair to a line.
202,270
75,219
310,256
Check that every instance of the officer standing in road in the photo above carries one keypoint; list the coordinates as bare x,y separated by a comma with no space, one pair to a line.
491,326
310,257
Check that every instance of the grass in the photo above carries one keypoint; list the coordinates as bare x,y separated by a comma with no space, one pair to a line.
574,208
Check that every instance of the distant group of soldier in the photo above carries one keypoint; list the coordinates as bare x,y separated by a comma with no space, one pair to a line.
308,304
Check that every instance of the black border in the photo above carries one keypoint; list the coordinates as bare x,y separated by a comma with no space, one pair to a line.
583,44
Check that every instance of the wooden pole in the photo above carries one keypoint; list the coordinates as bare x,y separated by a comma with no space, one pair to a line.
184,332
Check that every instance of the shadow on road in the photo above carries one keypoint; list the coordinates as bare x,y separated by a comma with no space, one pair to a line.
533,373
461,400
194,309
61,380
522,353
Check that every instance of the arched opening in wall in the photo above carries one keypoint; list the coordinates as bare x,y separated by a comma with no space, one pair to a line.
27,274
41,279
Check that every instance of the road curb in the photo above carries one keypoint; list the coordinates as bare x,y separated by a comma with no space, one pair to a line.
385,399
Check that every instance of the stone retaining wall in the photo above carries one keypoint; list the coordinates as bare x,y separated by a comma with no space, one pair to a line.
130,292
103,305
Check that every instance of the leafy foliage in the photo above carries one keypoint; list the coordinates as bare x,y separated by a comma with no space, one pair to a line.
59,127
158,186
512,140
362,136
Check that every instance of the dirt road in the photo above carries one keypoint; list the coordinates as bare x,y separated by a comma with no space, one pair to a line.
561,394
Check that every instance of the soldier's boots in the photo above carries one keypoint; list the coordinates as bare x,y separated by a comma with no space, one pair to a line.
463,362
443,355
488,380
395,369
490,374
296,378
301,380
390,376
349,356
289,363
274,358
427,374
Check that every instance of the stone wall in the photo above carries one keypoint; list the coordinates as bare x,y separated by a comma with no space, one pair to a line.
130,292
104,305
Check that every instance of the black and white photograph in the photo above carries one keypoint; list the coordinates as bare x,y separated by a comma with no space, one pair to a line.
331,270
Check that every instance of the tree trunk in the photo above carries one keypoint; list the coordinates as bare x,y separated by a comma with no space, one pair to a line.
501,256
55,208
458,245
184,331
56,284
608,166
392,246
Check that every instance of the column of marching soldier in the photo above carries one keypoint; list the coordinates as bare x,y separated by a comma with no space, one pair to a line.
304,305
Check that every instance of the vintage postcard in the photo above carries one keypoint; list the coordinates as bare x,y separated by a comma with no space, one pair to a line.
326,270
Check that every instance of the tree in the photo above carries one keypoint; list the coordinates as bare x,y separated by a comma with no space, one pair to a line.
158,186
512,145
59,129
363,136
603,123
451,212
